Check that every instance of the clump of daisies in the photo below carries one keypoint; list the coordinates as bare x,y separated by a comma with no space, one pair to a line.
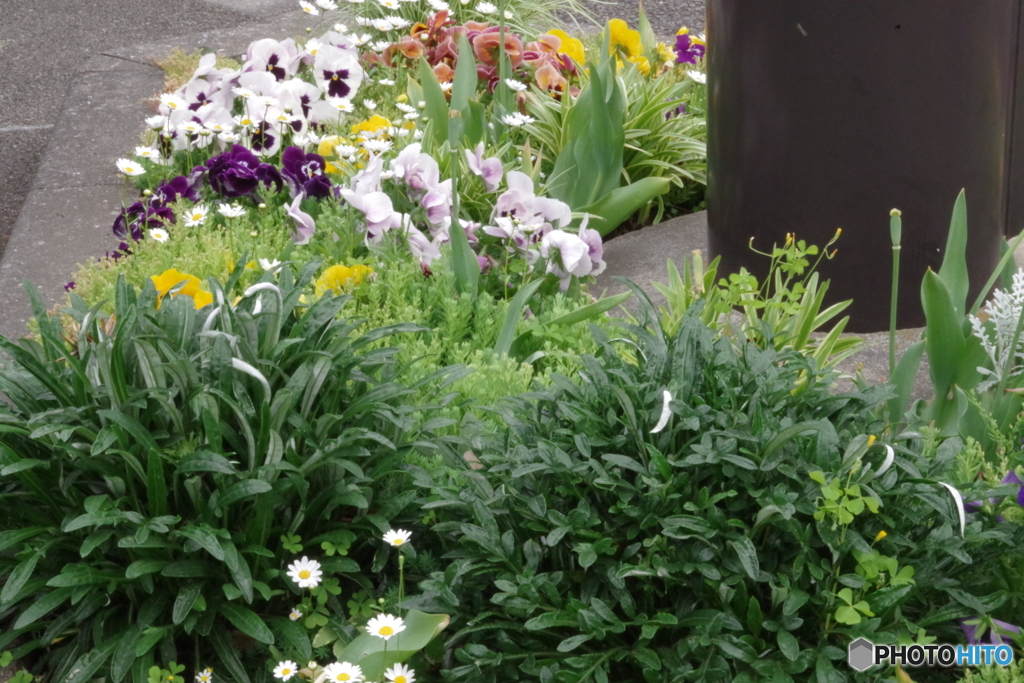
998,333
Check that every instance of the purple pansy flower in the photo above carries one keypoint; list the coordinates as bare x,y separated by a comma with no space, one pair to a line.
305,173
688,50
238,172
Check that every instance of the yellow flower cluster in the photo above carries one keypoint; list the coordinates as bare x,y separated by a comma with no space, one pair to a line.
169,279
573,47
342,279
625,42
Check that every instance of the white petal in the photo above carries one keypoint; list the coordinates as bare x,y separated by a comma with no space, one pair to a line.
959,500
665,413
889,455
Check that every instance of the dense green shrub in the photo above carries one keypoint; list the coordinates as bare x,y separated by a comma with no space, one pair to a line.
741,542
159,471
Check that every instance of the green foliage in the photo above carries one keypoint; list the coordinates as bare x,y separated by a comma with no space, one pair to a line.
157,469
784,311
1014,673
598,541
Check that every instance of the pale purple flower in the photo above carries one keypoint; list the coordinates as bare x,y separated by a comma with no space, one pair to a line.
567,255
489,169
304,225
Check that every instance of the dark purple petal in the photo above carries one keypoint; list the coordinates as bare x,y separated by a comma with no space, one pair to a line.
318,187
336,85
1012,478
69,286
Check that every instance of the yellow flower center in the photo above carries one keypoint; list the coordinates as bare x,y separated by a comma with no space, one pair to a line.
334,78
398,541
286,672
387,631
304,574
399,679
344,677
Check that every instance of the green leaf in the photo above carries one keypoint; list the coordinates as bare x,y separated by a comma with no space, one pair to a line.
42,607
369,651
611,210
243,489
204,461
944,336
239,569
464,264
903,378
847,615
788,645
465,81
436,107
18,577
246,621
124,655
747,554
227,655
591,310
89,663
142,567
513,314
205,539
953,271
570,644
186,599
293,636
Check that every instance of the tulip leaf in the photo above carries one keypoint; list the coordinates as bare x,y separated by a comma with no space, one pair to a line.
464,84
436,106
943,336
369,651
613,209
246,621
512,316
903,378
464,264
954,261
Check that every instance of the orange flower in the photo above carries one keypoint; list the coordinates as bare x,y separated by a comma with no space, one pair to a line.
549,78
570,46
486,46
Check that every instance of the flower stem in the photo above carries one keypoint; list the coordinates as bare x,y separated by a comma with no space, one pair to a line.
895,233
401,582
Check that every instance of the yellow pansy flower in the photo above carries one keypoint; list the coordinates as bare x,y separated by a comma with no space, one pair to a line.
572,47
326,150
625,38
171,278
341,279
373,124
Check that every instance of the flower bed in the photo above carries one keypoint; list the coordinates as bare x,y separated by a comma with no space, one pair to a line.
340,407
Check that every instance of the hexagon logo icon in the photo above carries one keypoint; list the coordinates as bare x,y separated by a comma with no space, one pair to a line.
861,654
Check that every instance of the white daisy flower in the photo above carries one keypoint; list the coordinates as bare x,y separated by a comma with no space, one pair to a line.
285,670
486,8
418,135
400,673
397,537
156,122
244,93
129,168
386,81
312,45
385,625
516,119
508,15
390,4
345,151
438,5
270,264
380,45
387,175
146,152
309,8
515,85
228,138
421,104
296,613
359,41
243,121
327,5
267,101
412,116
231,210
305,572
364,21
341,104
398,22
402,106
370,104
159,234
356,2
382,25
189,127
341,28
697,76
377,146
172,101
402,132
204,676
343,672
446,86
196,215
